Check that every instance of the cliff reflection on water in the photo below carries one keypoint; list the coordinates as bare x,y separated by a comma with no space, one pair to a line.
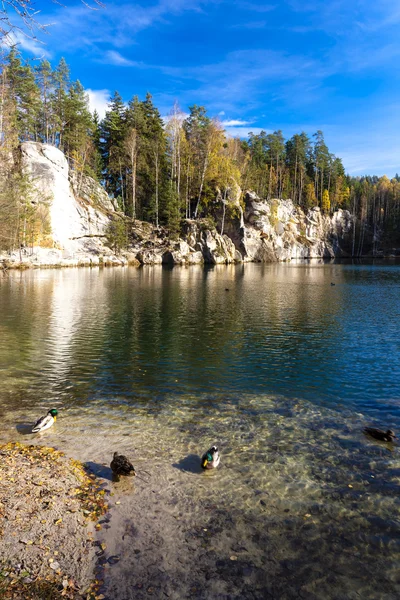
271,361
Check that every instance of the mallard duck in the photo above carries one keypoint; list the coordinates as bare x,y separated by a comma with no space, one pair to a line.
120,465
210,460
379,434
46,421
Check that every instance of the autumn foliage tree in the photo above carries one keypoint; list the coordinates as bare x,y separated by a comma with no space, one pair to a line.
167,169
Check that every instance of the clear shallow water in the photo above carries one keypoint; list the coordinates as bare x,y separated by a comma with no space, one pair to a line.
283,371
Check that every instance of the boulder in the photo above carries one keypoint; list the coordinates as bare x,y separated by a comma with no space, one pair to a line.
150,257
182,254
214,248
255,248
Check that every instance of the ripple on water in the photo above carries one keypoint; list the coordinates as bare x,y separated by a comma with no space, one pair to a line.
160,365
299,488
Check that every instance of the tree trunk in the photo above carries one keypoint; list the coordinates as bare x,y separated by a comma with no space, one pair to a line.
270,181
223,213
156,165
201,185
134,166
122,185
187,190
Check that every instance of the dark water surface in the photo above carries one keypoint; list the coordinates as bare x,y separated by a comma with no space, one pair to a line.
274,363
143,334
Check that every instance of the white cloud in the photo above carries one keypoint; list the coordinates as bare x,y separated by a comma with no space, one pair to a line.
98,100
115,58
25,42
235,122
243,132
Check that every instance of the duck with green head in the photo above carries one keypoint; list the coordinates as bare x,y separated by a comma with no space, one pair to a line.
46,421
210,460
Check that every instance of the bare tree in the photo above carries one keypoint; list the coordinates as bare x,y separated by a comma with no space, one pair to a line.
132,149
20,18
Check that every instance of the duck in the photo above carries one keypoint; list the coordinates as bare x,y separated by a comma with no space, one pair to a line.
379,434
120,465
210,460
46,421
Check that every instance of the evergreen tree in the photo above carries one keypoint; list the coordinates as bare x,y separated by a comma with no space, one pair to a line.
59,100
297,150
155,160
276,153
112,140
96,164
197,130
44,78
322,160
25,94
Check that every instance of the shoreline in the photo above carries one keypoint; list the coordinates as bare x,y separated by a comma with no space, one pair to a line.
285,525
49,507
107,262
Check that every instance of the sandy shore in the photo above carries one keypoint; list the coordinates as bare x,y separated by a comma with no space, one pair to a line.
48,509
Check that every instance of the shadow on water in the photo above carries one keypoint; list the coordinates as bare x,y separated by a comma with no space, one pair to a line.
124,484
24,428
101,471
190,464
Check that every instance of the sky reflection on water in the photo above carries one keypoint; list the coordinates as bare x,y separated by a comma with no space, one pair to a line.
144,334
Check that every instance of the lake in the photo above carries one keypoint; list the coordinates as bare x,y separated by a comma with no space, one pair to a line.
281,365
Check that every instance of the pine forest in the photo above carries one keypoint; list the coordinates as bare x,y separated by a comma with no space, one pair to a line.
163,169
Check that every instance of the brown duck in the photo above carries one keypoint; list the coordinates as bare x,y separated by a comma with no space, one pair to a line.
120,465
379,434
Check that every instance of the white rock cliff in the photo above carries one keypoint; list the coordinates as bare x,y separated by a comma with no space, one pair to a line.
79,211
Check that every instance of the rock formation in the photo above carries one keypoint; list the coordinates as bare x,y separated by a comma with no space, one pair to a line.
79,211
278,231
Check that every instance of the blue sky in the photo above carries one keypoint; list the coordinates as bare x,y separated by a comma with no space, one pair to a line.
292,65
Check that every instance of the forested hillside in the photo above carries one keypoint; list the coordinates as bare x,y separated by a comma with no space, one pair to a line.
164,169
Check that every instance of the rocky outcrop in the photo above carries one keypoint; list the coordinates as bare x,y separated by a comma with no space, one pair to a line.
215,248
278,231
199,243
182,254
79,212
